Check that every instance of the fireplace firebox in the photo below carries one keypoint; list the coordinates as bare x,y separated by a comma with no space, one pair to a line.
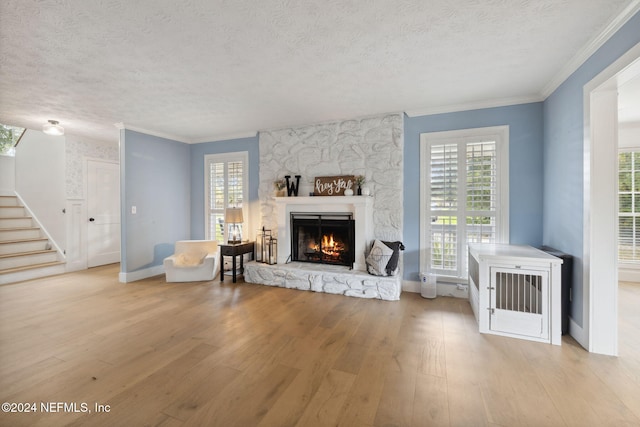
325,238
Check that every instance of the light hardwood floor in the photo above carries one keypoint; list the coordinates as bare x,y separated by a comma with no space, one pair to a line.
211,354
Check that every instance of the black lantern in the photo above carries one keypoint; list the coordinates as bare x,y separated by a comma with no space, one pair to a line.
273,250
262,245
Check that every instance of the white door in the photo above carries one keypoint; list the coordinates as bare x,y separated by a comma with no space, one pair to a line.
103,212
519,301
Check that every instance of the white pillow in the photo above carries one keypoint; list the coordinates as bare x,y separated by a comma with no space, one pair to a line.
378,258
189,259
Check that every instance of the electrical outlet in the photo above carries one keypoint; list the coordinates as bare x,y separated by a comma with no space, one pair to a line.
134,210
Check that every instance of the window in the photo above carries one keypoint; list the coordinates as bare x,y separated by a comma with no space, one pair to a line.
629,207
464,196
226,185
9,137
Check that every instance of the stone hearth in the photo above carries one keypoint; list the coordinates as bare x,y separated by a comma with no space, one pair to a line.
324,278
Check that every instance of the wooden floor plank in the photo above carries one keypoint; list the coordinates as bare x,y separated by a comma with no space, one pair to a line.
330,397
199,389
397,400
430,405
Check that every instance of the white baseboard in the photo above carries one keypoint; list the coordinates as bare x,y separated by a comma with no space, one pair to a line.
442,289
628,274
156,270
76,266
578,334
411,286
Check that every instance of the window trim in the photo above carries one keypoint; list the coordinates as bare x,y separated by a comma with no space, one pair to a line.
227,157
500,134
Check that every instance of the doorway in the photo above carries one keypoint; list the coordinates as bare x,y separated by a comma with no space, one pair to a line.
103,213
600,267
629,180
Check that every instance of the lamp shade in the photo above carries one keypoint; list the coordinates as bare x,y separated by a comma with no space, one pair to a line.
52,127
233,216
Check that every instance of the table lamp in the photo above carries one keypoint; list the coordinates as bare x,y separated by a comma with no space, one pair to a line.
233,217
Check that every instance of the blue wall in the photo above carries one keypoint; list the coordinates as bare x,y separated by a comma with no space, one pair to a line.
563,220
198,151
155,176
525,171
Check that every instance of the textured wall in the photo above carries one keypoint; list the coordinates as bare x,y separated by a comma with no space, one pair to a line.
76,149
371,146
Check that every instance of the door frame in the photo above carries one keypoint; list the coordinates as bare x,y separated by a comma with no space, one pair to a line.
600,262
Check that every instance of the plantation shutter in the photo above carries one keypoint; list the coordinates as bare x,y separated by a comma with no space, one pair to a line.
236,185
629,208
226,187
481,192
444,208
216,201
463,200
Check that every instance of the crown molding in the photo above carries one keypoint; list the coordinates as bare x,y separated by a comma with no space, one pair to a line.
492,103
590,48
121,125
217,138
225,137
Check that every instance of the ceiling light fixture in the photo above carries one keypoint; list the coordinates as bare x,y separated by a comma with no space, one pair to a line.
53,128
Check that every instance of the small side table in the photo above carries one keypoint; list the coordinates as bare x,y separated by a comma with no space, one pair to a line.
233,250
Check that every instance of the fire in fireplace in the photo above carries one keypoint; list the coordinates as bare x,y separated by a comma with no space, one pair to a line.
326,238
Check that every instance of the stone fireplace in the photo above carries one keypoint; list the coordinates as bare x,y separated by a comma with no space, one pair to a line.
369,146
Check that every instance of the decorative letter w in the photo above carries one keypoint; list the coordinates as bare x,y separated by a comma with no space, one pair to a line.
292,188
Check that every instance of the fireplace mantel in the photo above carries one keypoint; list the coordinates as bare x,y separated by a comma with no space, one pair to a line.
321,200
360,206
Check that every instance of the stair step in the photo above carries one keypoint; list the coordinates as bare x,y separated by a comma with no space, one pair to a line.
26,245
21,233
11,211
9,201
18,254
30,267
16,222
10,261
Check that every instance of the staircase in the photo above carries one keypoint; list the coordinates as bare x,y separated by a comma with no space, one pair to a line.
25,253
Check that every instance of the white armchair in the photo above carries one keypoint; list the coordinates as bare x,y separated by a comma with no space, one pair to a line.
193,261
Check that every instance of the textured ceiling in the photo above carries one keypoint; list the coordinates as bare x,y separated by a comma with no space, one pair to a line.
200,70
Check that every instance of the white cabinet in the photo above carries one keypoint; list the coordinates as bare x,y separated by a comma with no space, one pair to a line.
516,291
